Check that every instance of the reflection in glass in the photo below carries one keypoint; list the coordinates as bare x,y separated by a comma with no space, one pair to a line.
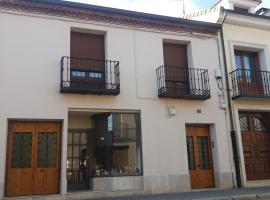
47,150
244,123
203,151
258,124
118,153
238,62
190,151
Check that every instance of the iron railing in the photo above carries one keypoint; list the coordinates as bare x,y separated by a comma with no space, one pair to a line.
183,82
89,76
250,83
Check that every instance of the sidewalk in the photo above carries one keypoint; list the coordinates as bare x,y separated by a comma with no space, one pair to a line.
230,194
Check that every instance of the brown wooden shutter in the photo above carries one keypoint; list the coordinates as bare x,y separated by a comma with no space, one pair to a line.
176,68
84,45
175,55
87,53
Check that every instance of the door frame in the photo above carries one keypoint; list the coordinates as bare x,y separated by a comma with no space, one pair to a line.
253,109
10,120
209,126
74,130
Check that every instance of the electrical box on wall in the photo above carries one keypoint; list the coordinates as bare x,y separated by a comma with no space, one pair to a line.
218,73
171,111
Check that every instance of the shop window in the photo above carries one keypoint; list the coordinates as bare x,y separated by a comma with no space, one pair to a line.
118,146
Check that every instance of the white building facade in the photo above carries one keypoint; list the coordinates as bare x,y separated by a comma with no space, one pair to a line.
109,102
246,45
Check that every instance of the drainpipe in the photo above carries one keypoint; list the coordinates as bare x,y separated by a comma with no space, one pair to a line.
232,126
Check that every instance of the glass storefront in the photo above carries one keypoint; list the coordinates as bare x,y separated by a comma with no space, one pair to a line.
111,148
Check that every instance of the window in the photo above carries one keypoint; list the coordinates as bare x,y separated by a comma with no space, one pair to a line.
118,147
190,151
21,150
241,10
95,74
244,123
47,150
258,124
246,60
247,63
78,74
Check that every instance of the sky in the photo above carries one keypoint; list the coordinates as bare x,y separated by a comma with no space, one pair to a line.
161,7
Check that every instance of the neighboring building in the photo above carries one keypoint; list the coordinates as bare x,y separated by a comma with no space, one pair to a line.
247,42
109,102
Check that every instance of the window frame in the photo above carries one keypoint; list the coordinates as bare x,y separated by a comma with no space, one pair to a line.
139,129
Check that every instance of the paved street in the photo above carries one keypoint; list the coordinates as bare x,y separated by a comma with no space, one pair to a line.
246,193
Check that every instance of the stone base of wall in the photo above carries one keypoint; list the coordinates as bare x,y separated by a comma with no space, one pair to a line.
166,183
117,183
224,180
134,185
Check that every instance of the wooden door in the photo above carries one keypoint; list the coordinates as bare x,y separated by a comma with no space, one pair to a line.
256,141
249,74
176,68
200,157
33,158
89,71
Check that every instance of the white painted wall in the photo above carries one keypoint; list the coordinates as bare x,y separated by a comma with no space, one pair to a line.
252,39
30,53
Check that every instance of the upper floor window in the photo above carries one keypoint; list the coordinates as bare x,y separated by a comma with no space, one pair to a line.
247,60
242,10
85,45
175,55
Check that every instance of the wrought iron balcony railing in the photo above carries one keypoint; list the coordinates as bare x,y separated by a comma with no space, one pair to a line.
89,76
250,84
180,82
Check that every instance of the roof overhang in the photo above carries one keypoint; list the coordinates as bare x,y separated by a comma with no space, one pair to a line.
244,19
88,12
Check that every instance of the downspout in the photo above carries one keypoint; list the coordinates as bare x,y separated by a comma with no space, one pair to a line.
232,126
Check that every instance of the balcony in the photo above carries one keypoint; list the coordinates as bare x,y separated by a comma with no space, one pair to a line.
89,76
185,83
250,84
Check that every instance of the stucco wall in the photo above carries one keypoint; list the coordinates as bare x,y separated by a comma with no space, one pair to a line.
252,39
30,53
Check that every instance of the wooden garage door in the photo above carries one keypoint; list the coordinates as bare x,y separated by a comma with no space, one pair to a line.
200,157
256,145
33,158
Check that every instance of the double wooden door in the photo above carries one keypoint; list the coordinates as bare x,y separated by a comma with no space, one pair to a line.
199,157
33,158
256,142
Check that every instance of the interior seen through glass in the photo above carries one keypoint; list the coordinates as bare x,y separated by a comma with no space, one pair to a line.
111,148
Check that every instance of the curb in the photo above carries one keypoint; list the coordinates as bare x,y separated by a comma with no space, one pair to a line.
242,197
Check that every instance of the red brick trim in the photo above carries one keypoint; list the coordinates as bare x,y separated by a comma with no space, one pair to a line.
90,15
